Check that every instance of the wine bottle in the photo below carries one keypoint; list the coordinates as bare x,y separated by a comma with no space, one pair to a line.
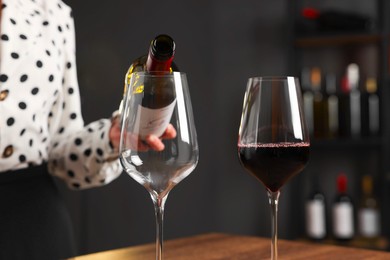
373,107
370,109
355,102
333,105
156,100
344,109
320,105
159,58
369,217
343,212
315,214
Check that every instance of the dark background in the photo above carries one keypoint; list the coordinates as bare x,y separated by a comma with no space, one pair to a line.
219,45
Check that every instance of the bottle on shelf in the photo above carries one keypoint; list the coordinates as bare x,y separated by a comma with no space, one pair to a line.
353,78
350,116
368,214
315,211
344,109
343,212
320,105
370,109
333,105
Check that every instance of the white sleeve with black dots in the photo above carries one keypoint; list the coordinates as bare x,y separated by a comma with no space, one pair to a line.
40,108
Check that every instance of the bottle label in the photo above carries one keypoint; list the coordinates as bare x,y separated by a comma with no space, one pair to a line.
369,222
315,219
153,121
343,224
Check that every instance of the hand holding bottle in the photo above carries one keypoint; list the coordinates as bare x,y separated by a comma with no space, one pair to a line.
159,59
149,142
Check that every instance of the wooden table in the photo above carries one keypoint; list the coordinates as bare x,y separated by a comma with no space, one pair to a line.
224,246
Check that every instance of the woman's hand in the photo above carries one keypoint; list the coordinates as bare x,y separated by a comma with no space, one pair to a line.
150,142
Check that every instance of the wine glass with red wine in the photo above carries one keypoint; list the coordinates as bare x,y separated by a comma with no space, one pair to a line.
273,141
156,104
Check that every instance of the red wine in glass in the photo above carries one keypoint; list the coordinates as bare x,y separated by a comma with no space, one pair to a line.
274,163
273,140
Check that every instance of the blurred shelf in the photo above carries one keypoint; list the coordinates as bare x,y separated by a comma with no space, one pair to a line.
337,39
332,51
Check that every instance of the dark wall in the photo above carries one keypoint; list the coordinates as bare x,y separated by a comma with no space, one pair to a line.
219,44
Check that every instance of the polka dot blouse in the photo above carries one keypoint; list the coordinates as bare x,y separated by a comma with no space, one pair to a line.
40,112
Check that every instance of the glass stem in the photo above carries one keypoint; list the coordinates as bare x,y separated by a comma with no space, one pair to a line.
273,202
159,203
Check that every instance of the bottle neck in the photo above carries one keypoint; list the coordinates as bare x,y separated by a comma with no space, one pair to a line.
161,53
153,64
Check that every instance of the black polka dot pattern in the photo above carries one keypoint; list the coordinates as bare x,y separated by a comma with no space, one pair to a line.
42,119
3,78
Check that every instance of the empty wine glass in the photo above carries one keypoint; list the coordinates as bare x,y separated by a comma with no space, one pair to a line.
273,142
155,102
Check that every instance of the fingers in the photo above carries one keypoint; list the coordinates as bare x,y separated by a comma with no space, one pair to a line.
155,143
152,141
169,133
142,146
137,144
